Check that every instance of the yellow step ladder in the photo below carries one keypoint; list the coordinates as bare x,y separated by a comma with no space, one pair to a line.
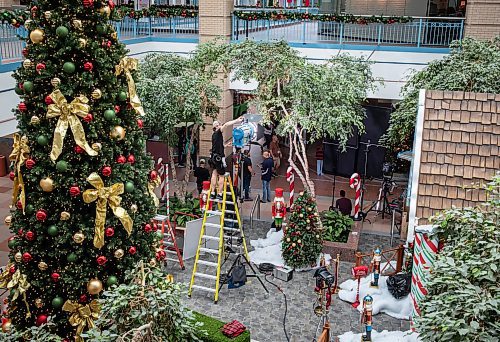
227,233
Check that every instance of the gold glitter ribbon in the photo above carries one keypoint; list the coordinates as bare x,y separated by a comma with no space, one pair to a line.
82,316
68,114
5,277
18,156
20,285
151,187
126,66
106,196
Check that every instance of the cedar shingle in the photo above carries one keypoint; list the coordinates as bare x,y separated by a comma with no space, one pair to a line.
486,139
441,124
437,105
426,134
481,96
447,95
467,172
467,160
439,158
434,125
455,136
464,105
429,104
458,159
441,114
427,124
495,151
455,115
458,95
479,139
464,117
421,200
485,150
425,168
436,203
457,203
486,106
447,136
444,169
472,96
448,159
437,94
461,193
455,105
442,191
486,119
472,105
452,192
482,162
474,160
447,117
465,137
431,157
446,203
451,147
439,134
472,149
435,169
491,96
445,104
475,117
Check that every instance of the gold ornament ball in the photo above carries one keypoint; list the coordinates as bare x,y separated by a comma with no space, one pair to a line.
77,24
293,244
27,63
28,22
7,326
301,215
38,303
47,184
8,220
299,241
170,278
65,216
83,42
35,120
43,266
94,286
55,82
47,14
308,221
288,240
114,35
96,94
152,263
118,133
18,257
105,10
78,237
97,147
36,36
317,236
119,253
134,208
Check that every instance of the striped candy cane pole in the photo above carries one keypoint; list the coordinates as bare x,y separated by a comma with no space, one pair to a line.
167,190
161,173
290,177
355,183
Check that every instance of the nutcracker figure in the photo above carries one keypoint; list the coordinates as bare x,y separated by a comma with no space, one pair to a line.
366,317
204,196
375,266
279,208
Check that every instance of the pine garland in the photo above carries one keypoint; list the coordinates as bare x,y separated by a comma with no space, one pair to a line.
340,18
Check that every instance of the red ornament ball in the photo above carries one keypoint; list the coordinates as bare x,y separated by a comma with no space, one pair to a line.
40,67
74,191
27,257
78,149
88,66
88,118
161,255
12,175
101,260
20,232
41,215
19,205
22,107
148,228
30,163
131,159
111,4
155,227
55,277
30,236
132,250
83,298
153,175
25,52
12,269
106,44
140,123
106,171
48,100
121,159
41,320
117,109
110,232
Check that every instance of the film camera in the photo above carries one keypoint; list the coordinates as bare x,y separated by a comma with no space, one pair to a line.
324,279
387,171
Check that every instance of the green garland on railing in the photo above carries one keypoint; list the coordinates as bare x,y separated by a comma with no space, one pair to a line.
156,11
341,18
16,17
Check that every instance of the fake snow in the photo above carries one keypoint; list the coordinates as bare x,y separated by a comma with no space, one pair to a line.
383,301
268,250
384,336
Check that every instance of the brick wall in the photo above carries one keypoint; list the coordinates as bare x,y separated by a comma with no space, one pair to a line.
459,148
8,3
482,19
386,7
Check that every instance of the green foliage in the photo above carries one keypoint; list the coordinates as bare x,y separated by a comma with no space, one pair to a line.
213,327
303,240
336,225
463,303
190,206
472,66
148,301
42,333
48,58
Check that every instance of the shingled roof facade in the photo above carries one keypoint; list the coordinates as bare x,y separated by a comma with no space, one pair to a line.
459,150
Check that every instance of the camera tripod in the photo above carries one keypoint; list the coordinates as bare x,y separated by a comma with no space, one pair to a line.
322,310
381,204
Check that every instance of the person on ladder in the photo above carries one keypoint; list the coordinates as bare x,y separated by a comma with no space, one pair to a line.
217,158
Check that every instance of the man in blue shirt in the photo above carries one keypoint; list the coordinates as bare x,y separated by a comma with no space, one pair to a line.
267,174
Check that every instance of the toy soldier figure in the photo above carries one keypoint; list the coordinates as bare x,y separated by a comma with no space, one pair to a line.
279,209
366,317
375,266
204,196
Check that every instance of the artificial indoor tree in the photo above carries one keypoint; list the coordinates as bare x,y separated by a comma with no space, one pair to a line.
82,199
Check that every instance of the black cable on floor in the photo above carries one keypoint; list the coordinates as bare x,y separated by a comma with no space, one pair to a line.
267,270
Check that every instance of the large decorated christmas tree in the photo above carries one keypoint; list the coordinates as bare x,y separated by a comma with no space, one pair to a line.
302,240
82,201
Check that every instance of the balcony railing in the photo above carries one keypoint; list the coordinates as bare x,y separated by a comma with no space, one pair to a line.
419,32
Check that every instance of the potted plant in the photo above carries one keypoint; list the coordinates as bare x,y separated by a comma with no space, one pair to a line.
336,226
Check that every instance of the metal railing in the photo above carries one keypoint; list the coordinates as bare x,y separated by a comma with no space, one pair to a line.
256,205
421,32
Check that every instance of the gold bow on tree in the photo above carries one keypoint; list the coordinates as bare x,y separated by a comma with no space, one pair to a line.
151,187
103,196
126,66
68,114
18,156
19,283
82,316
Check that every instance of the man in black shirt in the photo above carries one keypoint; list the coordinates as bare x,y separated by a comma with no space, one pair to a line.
247,174
344,204
201,174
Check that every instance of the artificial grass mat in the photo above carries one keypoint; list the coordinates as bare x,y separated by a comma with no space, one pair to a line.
213,326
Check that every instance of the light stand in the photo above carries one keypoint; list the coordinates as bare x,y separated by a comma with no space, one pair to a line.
362,214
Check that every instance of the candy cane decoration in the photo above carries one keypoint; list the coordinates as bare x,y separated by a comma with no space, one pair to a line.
355,183
290,177
167,190
161,173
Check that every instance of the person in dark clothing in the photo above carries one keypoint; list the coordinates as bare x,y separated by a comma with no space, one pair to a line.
181,142
247,174
202,174
344,204
267,174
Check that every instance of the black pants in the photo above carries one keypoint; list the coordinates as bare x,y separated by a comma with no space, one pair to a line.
246,186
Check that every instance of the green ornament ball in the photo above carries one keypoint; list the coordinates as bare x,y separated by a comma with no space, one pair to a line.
62,166
18,90
42,140
57,302
101,29
28,86
71,257
12,244
69,67
109,114
159,234
52,230
112,280
129,187
122,96
62,31
30,209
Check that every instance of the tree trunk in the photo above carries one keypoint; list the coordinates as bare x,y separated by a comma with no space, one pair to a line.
177,187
